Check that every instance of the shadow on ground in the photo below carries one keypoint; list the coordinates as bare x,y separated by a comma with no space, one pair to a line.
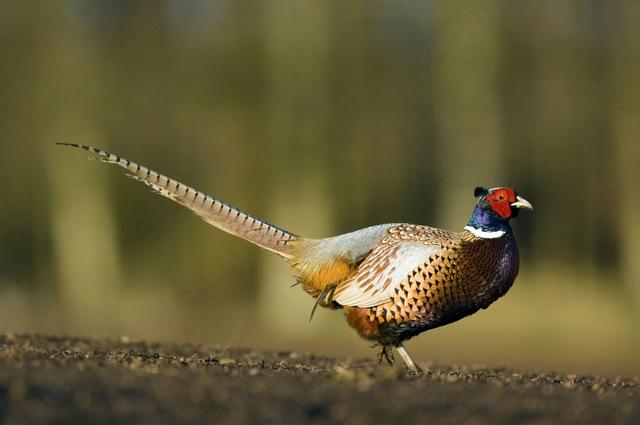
60,380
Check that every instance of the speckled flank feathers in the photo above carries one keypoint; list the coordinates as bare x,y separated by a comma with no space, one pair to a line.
464,275
393,281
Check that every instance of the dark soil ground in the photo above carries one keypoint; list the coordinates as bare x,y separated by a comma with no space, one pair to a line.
60,380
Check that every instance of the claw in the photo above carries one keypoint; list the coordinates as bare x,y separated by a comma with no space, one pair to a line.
386,354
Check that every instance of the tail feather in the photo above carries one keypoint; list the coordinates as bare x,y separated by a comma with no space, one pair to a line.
222,215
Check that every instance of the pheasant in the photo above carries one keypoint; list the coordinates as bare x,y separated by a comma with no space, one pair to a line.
392,281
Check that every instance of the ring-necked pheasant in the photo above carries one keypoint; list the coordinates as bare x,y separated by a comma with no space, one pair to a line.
393,281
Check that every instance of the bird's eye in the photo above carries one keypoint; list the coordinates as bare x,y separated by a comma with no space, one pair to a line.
500,197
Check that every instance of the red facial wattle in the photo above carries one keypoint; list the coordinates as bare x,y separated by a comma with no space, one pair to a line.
501,200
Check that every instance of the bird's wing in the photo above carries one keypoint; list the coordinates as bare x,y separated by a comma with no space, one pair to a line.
381,272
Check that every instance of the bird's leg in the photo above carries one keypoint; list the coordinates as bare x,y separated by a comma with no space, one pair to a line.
408,361
385,354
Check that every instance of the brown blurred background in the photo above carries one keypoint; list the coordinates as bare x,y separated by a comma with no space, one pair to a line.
322,117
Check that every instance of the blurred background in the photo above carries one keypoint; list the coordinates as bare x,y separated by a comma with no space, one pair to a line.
321,117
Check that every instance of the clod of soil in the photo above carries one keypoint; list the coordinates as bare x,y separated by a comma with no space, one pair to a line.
62,380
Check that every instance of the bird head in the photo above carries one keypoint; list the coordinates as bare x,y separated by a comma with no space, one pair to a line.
494,209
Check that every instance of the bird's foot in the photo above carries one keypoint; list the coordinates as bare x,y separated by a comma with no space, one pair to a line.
385,354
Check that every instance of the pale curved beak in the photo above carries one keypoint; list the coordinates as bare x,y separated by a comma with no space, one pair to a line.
522,203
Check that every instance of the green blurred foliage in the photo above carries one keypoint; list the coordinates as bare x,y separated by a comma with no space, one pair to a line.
322,117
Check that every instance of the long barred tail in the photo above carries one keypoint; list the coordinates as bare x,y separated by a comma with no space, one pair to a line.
215,212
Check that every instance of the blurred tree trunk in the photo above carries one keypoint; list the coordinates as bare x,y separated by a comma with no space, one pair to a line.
84,235
296,50
466,105
625,116
555,103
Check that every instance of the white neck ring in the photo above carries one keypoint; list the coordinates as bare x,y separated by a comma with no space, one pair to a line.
484,234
